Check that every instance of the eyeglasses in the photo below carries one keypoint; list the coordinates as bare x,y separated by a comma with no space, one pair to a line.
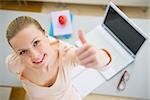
122,83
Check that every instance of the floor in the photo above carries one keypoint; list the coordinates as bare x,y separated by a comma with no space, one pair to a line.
5,93
16,93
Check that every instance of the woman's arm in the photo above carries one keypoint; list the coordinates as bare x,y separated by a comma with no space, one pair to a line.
87,55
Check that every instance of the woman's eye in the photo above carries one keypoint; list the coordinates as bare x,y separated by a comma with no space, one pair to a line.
23,52
36,43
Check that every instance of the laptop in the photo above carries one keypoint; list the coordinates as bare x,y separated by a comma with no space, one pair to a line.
121,37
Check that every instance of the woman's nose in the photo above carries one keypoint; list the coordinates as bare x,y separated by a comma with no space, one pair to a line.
34,54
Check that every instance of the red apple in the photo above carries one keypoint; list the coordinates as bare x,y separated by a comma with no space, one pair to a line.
62,19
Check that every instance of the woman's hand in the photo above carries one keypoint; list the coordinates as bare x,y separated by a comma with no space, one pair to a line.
86,54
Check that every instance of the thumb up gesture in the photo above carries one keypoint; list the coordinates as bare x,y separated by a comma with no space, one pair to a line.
86,53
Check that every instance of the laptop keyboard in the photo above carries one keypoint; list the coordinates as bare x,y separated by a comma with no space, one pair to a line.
118,63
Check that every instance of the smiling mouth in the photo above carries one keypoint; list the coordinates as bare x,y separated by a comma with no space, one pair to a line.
40,60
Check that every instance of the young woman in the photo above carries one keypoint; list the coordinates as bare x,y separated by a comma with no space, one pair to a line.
44,63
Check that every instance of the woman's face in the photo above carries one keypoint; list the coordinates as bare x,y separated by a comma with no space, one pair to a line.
32,46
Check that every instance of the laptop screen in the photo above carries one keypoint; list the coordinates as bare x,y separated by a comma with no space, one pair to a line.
123,30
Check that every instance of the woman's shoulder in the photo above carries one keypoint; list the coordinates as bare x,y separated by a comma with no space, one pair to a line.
60,45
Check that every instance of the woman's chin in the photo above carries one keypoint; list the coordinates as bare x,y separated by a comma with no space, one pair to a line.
45,69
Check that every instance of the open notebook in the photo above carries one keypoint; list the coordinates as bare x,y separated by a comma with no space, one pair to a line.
120,36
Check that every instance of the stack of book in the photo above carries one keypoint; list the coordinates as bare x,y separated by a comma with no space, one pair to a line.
61,24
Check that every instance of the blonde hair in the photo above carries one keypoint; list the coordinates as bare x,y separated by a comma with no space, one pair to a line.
20,23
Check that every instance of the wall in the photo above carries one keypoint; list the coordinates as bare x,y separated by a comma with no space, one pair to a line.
102,2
